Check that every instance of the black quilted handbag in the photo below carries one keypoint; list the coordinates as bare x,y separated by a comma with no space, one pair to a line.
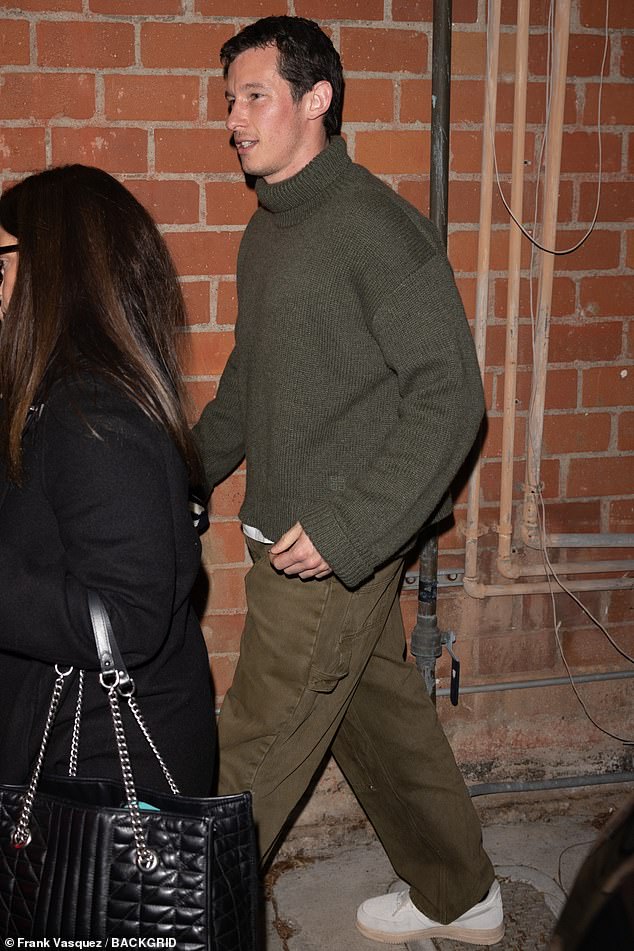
94,859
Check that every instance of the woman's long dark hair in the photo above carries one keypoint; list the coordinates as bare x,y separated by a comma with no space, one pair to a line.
95,290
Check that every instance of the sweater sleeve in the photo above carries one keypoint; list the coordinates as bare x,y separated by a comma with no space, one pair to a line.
219,431
425,340
104,474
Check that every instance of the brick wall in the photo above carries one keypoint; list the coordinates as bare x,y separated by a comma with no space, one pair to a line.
134,87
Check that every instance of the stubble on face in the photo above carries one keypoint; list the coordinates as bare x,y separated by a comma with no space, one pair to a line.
272,133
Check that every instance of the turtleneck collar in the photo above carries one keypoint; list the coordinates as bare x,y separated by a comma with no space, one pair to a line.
303,191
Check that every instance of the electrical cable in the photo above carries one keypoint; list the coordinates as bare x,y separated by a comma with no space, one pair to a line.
549,571
524,231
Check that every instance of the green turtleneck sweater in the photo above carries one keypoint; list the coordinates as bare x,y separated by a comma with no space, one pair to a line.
353,389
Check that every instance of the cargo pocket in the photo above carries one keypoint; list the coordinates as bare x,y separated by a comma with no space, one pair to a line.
330,662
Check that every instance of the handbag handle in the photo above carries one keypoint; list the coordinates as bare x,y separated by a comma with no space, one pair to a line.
117,683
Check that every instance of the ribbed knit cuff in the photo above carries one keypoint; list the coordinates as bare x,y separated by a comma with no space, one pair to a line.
351,564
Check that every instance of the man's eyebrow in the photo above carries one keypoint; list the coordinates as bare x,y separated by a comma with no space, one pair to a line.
230,95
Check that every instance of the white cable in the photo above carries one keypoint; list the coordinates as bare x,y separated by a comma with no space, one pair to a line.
526,233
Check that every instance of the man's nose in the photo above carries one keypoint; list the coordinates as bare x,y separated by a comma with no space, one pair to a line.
235,119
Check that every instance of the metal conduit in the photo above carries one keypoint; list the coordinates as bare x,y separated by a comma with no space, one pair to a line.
563,782
547,682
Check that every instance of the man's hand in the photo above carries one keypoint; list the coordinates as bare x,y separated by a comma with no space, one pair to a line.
295,554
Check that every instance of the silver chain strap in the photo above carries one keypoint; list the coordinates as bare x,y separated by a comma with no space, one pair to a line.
74,745
146,858
21,834
146,733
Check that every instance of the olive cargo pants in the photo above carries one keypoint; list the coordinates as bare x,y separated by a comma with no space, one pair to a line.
322,667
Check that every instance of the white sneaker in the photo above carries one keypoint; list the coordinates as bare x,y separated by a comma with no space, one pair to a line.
394,918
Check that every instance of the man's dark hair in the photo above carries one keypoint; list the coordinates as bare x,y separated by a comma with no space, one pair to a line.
306,56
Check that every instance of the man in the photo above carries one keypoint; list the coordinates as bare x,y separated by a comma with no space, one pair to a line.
354,393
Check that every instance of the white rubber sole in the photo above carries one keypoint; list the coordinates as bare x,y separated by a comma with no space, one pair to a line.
468,935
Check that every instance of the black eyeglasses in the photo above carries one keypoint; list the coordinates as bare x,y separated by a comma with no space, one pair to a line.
6,249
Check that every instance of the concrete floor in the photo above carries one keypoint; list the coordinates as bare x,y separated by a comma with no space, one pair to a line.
536,844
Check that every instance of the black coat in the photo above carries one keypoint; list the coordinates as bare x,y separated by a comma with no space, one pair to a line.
103,506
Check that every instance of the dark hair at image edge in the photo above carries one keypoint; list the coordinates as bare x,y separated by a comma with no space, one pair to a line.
306,56
96,291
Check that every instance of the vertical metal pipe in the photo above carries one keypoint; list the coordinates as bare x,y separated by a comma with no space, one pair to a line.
547,262
426,636
484,255
505,523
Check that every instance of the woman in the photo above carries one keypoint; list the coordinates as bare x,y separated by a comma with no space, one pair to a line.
95,462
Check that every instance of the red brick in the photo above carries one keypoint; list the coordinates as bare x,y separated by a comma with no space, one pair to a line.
416,101
627,56
194,150
168,202
563,299
463,250
22,150
496,345
467,151
578,432
566,516
585,55
204,252
224,544
223,632
416,192
467,287
200,393
626,431
85,43
238,8
55,6
536,103
14,43
621,606
609,476
227,303
616,106
490,479
229,495
580,152
561,390
592,13
616,201
369,100
196,294
340,9
133,8
216,102
207,352
521,653
538,12
223,667
586,343
607,296
230,203
47,95
621,516
463,11
492,446
468,54
115,150
608,386
600,251
155,98
590,648
393,152
183,45
630,246
383,50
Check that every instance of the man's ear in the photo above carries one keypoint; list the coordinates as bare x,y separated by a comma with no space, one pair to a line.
318,99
